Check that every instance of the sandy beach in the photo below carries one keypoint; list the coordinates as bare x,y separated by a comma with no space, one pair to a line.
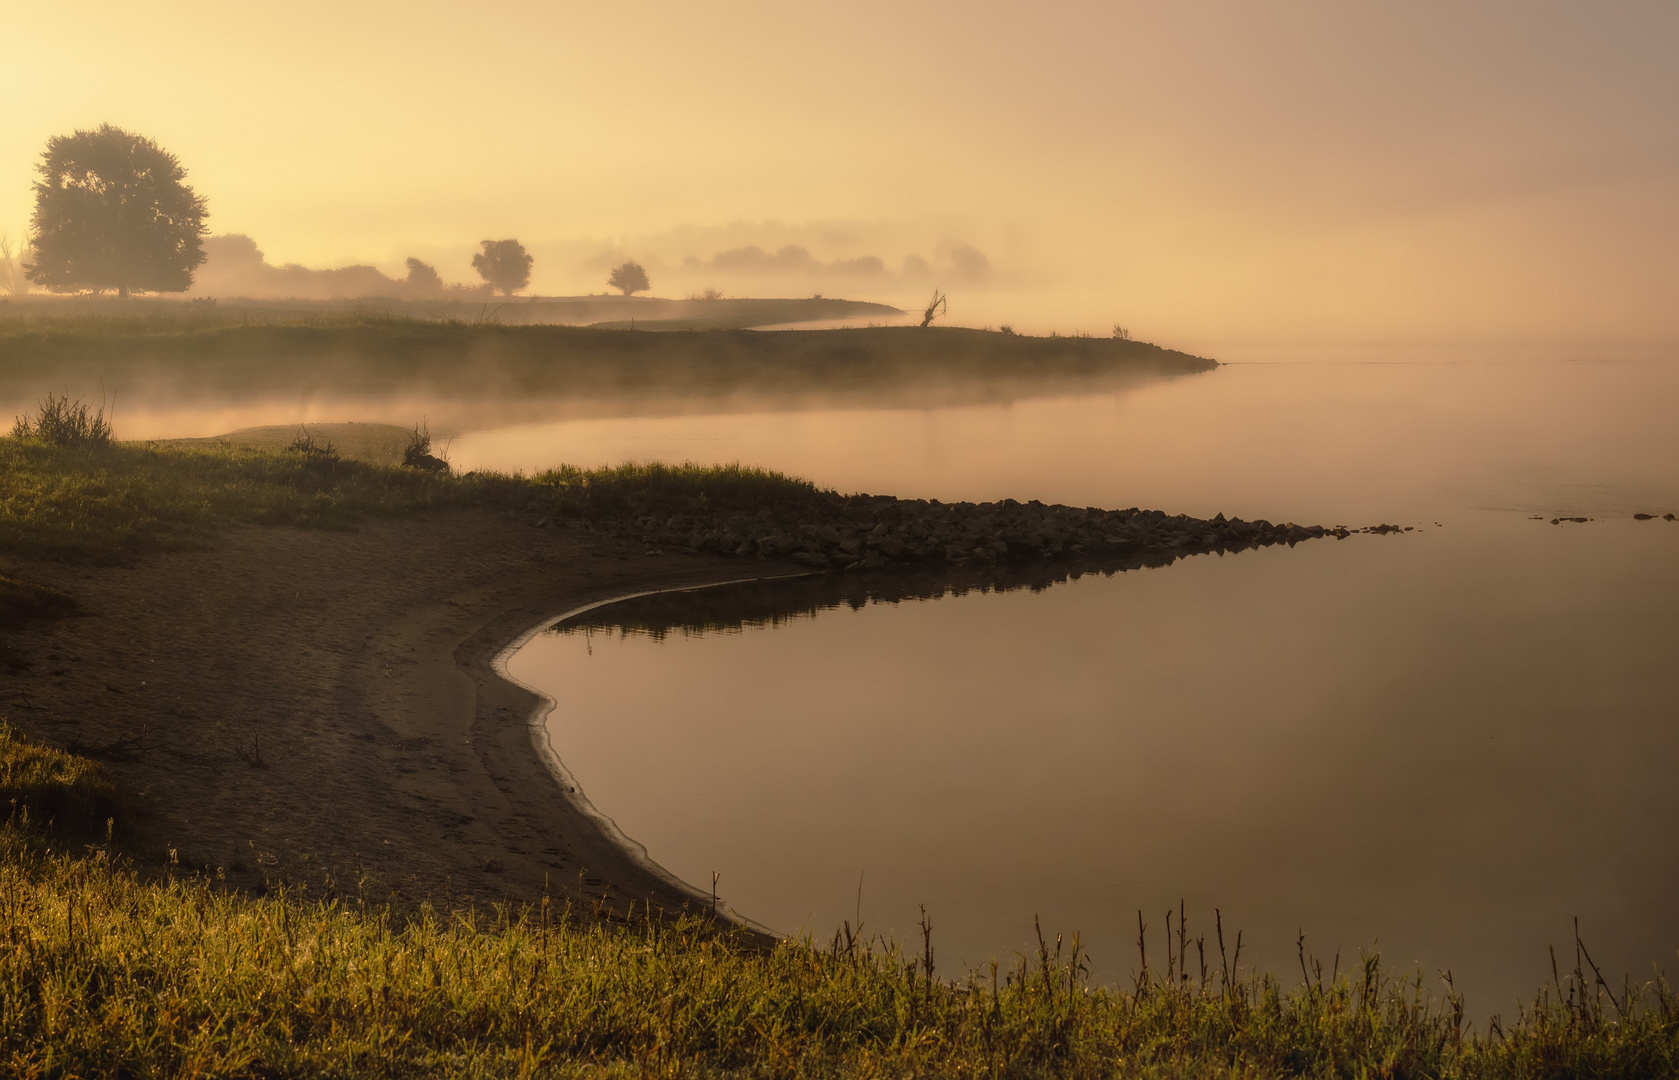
320,710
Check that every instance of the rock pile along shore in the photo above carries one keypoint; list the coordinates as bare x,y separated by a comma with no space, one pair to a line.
874,531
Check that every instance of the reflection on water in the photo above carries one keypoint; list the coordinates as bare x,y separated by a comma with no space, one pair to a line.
1444,744
754,605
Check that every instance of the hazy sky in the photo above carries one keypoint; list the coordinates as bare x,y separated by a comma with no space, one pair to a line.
1218,170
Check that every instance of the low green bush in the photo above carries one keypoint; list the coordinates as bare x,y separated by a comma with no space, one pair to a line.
58,421
655,488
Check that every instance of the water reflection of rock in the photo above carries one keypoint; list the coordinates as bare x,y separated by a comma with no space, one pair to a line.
768,603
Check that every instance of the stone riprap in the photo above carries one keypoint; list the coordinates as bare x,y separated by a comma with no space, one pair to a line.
874,531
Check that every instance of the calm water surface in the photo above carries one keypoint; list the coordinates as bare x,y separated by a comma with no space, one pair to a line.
1443,745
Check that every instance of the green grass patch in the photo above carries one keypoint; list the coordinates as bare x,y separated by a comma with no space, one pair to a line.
376,444
104,504
43,788
103,974
654,488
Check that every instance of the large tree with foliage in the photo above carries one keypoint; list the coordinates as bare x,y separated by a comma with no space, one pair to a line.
629,277
504,264
113,211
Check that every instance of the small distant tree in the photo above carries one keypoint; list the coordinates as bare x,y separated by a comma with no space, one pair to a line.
113,211
504,264
422,277
629,277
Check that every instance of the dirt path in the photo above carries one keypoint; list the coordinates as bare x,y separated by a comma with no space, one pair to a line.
318,709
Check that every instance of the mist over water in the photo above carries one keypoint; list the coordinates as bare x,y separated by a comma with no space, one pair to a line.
1325,443
1443,744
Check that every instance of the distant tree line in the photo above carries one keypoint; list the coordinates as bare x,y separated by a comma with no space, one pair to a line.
113,212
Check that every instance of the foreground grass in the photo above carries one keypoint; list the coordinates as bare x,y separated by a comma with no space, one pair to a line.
106,504
102,974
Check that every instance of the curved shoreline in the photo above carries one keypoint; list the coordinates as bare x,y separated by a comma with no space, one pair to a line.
325,712
543,745
321,711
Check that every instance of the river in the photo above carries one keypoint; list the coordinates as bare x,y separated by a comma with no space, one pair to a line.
1443,744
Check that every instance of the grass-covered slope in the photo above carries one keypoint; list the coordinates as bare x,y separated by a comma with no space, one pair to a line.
104,974
105,504
353,355
108,503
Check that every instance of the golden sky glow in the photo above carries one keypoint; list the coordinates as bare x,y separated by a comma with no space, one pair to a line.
1214,171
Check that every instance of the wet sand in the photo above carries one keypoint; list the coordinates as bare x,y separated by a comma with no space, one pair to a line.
319,710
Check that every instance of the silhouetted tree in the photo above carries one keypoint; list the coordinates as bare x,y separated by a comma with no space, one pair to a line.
629,277
113,211
422,277
504,264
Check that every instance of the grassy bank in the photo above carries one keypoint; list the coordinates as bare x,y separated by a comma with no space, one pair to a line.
352,355
104,504
102,974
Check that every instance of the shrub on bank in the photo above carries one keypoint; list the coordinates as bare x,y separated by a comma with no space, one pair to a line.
644,488
61,422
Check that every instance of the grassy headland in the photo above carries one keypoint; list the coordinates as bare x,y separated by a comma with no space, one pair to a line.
181,358
108,502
